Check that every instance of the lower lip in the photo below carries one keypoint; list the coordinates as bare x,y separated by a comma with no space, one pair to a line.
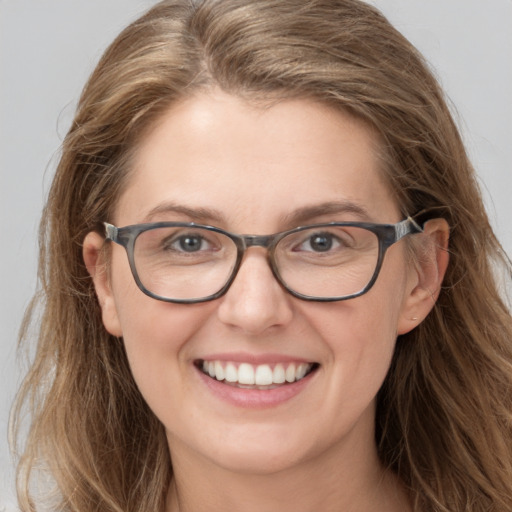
255,398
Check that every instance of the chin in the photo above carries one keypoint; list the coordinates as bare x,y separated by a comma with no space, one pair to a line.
261,460
258,449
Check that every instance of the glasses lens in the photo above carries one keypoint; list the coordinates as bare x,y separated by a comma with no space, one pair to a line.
184,263
328,261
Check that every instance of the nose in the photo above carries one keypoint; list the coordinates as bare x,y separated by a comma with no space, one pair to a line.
255,302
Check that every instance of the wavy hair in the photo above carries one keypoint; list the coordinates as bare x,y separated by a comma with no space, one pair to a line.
444,414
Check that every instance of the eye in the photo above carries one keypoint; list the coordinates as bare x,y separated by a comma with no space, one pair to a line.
187,243
319,242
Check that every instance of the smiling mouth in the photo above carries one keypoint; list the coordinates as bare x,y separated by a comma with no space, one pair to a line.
262,376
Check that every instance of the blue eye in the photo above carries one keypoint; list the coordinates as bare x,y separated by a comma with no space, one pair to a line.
190,243
320,242
186,243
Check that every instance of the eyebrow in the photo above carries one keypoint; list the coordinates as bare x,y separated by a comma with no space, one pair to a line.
195,214
306,213
295,218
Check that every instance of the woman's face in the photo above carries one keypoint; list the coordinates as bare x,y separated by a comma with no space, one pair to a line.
215,159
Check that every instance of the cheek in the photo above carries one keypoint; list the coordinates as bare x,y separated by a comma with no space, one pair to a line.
360,337
154,331
149,326
157,342
156,336
364,323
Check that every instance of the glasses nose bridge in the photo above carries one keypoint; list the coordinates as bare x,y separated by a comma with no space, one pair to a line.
265,241
245,242
257,241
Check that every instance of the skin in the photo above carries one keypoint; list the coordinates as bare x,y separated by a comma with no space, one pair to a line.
254,168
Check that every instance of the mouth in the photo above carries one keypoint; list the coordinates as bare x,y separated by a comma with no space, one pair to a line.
250,376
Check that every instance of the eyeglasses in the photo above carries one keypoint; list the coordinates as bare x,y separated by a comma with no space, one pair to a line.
186,263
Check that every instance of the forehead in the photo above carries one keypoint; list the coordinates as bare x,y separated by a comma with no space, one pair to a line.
250,163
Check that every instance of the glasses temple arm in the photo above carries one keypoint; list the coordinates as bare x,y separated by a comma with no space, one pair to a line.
110,231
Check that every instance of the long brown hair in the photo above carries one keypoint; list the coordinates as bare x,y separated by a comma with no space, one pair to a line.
444,417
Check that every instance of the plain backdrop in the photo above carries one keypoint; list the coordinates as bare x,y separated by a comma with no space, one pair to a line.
48,48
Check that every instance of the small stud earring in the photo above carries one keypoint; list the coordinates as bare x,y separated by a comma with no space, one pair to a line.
414,318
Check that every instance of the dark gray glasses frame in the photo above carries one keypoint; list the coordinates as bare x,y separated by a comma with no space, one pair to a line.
387,234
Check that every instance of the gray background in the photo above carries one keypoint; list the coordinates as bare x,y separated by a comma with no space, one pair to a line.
48,48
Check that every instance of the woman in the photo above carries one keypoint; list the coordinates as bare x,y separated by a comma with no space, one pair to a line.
251,302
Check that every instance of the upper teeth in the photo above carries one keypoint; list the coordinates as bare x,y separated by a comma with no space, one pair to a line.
259,375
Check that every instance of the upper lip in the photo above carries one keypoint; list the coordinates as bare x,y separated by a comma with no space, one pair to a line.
254,359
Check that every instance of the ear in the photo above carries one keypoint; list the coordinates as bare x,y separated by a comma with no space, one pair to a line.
431,261
94,258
